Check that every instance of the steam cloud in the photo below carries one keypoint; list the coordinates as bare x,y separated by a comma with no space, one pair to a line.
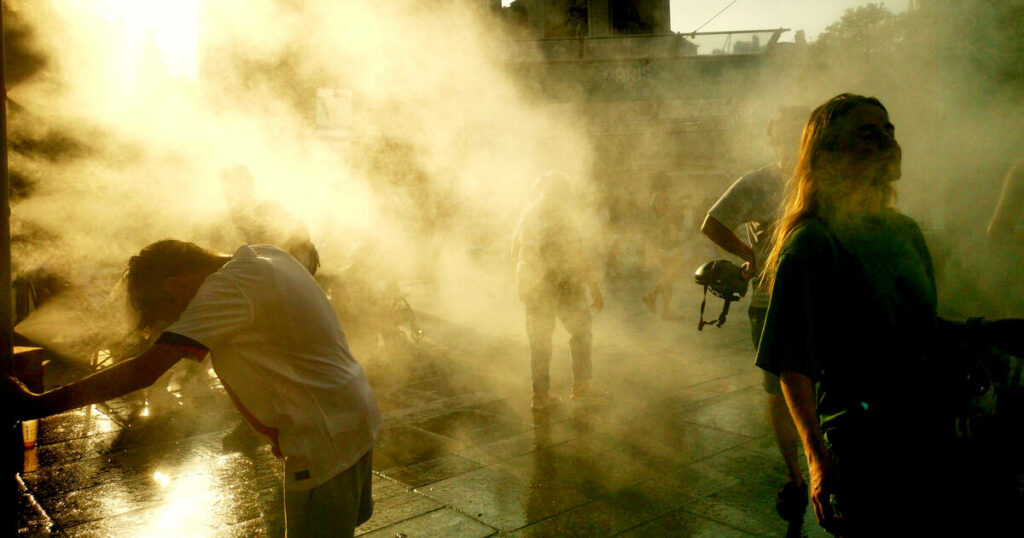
399,123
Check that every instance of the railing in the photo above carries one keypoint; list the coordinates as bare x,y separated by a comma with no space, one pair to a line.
744,42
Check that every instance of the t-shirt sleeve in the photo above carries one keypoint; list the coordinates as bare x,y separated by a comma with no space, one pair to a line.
737,204
922,251
796,324
219,311
188,347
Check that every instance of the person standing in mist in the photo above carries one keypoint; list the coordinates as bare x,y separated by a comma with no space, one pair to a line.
1006,231
852,331
554,273
667,244
754,200
280,354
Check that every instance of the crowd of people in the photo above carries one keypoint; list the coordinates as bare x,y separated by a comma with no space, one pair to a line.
843,320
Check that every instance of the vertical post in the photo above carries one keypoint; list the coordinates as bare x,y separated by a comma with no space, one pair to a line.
10,431
599,13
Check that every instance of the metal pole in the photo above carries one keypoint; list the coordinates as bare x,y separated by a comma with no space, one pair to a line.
10,431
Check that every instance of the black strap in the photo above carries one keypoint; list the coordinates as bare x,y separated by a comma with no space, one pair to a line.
725,312
701,323
721,317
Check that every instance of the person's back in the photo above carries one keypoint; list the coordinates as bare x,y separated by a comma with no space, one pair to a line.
278,348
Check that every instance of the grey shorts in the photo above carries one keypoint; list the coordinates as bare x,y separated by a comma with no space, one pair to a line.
335,508
770,382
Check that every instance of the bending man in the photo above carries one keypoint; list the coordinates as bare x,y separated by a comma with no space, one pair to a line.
280,354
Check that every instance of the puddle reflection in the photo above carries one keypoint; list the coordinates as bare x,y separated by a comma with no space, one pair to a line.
185,510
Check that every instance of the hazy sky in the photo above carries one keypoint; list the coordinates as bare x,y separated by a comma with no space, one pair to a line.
812,16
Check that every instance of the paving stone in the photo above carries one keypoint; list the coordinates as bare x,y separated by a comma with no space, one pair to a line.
180,515
620,510
393,502
697,480
444,522
432,470
572,465
402,399
684,524
33,519
407,445
544,435
170,456
743,411
667,446
501,499
220,494
269,526
74,424
748,465
471,426
749,507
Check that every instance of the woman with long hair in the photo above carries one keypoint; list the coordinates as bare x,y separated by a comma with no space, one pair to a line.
851,329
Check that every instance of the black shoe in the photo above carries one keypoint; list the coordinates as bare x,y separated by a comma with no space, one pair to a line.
791,502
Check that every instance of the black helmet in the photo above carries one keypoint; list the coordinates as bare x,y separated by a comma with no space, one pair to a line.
724,279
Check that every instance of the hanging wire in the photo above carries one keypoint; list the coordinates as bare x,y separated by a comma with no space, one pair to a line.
714,17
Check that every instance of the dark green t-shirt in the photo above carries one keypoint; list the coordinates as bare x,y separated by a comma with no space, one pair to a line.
853,309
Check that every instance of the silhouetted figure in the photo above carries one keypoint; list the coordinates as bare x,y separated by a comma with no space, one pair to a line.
851,330
753,200
370,304
264,222
554,274
666,239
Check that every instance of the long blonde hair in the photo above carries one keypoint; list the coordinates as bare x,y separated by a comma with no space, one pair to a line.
815,190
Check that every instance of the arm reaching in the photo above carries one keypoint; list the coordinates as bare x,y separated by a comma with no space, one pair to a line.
725,238
127,376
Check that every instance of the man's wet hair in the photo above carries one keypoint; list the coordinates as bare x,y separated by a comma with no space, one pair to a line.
147,271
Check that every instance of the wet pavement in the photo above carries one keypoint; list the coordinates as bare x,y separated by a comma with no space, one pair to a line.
681,446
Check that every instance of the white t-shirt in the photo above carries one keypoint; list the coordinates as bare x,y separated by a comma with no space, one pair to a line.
279,351
754,200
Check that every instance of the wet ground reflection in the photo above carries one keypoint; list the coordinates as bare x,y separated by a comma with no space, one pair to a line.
461,453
